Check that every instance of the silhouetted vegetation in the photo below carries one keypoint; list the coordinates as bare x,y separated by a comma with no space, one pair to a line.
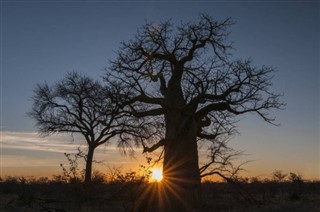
170,87
131,191
77,104
185,75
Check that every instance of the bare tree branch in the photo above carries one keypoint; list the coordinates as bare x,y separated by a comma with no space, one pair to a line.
153,147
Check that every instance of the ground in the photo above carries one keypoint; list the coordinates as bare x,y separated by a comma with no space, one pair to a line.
49,196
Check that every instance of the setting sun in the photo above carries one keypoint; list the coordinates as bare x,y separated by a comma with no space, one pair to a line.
156,175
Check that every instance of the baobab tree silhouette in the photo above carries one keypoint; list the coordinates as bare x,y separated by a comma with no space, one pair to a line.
184,74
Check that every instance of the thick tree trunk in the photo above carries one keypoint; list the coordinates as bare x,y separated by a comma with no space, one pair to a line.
87,178
181,168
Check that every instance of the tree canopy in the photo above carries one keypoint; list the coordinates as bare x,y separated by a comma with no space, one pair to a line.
77,104
189,68
186,75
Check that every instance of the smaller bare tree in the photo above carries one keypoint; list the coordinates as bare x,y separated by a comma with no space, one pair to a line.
77,104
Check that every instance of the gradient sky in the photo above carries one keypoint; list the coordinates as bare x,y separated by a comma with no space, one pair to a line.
42,40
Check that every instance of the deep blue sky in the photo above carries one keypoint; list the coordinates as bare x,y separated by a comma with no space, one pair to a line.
41,41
